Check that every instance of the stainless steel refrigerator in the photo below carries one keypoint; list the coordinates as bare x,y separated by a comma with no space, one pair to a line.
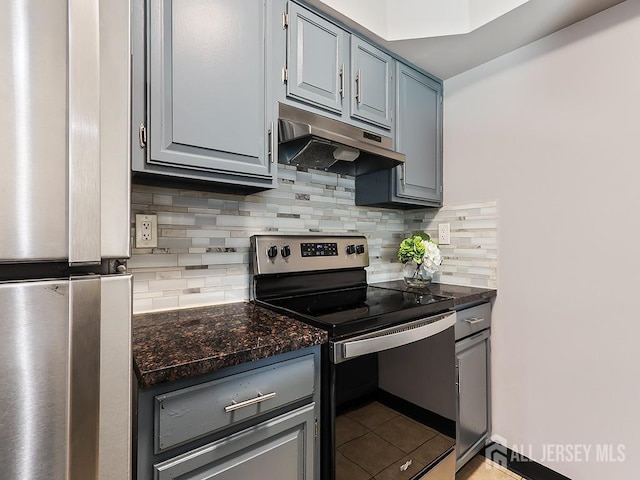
65,300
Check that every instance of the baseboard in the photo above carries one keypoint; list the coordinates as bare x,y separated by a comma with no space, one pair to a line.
517,463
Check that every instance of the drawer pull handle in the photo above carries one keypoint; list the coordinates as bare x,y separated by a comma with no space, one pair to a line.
473,320
252,401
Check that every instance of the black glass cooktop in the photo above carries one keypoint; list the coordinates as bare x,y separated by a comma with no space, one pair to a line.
360,309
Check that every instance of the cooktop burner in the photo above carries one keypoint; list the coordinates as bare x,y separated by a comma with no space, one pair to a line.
360,309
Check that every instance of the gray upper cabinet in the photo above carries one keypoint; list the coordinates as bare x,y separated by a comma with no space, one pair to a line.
316,56
419,136
206,80
339,74
417,183
371,83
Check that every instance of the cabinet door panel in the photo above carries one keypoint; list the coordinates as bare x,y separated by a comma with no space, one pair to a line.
281,448
371,83
473,401
207,85
418,135
315,58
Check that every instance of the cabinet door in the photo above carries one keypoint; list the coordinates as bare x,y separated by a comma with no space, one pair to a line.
207,80
281,448
419,136
371,83
472,361
315,59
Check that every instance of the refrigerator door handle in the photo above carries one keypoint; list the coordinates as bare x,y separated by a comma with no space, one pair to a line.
84,377
115,127
84,132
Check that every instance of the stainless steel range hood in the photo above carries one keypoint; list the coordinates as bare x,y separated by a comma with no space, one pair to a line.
311,140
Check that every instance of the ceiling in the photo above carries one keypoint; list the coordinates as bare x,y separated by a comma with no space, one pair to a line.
447,56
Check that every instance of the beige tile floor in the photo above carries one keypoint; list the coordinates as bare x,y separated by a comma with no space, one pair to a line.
373,441
479,468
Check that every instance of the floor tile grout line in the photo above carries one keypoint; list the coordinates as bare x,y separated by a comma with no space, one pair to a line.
368,429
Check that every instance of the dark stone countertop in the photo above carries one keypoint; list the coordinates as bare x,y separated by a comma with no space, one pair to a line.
460,294
176,344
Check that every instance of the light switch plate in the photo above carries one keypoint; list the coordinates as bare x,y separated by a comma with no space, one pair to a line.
146,231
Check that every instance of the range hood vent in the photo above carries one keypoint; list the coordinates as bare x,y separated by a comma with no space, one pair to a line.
313,141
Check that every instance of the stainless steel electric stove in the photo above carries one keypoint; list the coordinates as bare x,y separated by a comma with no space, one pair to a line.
390,350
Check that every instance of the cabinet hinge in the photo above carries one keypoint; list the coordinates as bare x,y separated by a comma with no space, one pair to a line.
285,75
285,20
315,428
441,189
142,135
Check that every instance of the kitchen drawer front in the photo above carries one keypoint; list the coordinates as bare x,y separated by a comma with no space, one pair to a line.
472,320
281,448
194,412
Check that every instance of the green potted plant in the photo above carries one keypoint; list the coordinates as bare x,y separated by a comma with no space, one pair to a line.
421,257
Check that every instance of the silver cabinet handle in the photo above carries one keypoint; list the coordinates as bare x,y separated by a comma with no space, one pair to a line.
260,398
404,176
359,86
142,135
473,320
342,81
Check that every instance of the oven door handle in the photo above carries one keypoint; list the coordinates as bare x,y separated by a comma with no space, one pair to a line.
392,337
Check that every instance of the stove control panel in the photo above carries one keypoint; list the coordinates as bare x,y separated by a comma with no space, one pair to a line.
274,254
319,249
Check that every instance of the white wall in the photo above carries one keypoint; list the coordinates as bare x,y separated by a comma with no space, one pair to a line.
552,132
401,20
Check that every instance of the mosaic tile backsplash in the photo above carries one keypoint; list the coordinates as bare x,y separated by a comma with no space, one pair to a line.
472,257
203,238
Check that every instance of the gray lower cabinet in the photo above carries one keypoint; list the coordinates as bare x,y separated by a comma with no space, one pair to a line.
418,183
254,420
280,448
473,412
203,65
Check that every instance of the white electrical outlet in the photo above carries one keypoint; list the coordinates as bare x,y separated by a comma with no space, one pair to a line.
444,234
146,231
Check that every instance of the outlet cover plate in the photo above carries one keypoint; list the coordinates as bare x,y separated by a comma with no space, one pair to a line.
444,234
146,231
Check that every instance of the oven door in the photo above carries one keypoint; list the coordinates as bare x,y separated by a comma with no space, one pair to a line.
394,396
393,337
